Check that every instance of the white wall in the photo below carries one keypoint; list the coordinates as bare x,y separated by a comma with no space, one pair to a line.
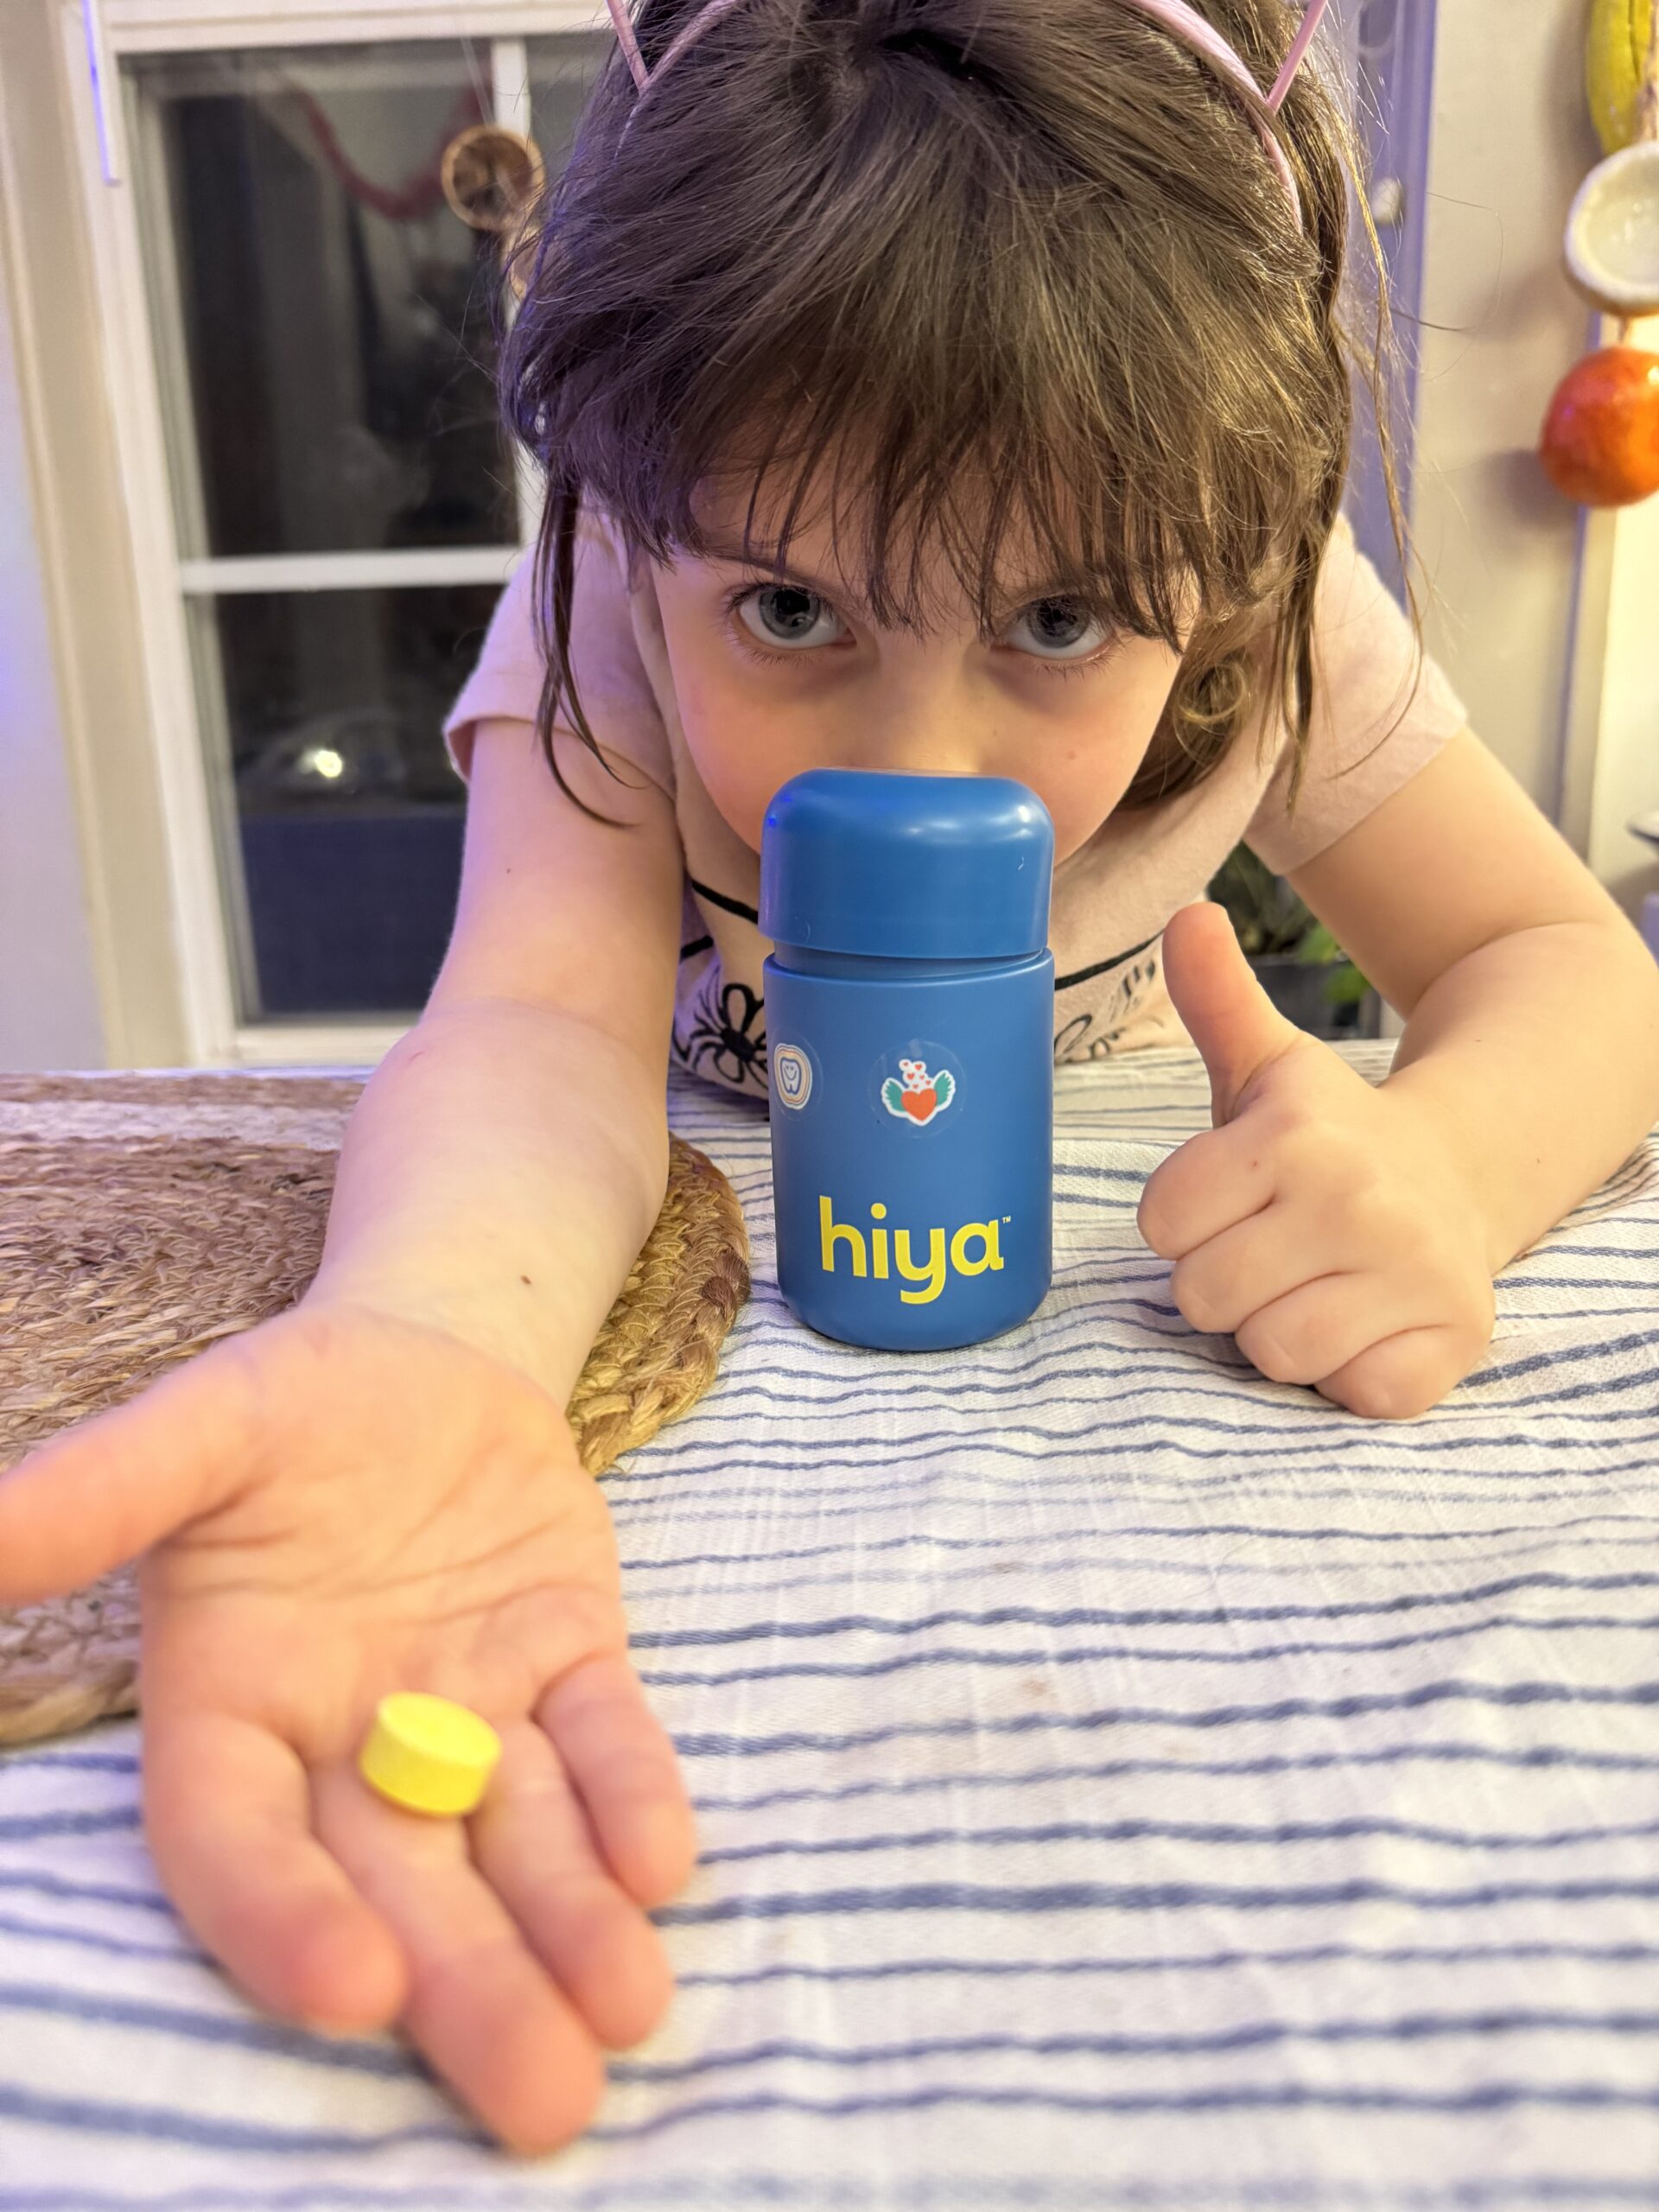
83,866
1625,781
49,1013
1512,141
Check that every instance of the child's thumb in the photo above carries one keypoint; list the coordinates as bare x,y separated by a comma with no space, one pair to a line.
1229,1017
109,1488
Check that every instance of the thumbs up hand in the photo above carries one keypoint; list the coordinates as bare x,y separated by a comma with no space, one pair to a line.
1322,1222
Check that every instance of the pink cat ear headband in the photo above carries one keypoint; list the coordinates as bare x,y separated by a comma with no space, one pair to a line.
1176,16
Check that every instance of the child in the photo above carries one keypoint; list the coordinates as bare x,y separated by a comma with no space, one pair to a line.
1007,330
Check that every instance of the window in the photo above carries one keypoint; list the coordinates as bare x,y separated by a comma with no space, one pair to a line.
343,505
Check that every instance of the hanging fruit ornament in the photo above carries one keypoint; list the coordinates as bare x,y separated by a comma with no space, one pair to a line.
492,178
1619,33
1601,436
1600,443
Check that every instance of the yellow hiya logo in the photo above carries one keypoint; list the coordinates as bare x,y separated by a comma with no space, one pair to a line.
931,1274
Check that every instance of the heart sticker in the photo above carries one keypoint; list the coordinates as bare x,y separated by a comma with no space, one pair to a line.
920,1096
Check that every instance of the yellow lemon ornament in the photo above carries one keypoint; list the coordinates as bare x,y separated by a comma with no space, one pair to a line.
427,1755
1615,58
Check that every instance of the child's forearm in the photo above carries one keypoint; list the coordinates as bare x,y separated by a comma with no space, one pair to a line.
498,1177
1536,1059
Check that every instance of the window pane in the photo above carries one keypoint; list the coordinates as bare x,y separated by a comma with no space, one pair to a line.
323,319
345,813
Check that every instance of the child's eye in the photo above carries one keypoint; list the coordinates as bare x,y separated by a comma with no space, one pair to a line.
1063,633
1067,637
786,615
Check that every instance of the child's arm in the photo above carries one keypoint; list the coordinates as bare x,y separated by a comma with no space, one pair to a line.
1348,1236
378,1491
509,1157
1531,1005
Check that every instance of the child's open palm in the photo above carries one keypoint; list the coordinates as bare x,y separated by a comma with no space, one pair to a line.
339,1505
1320,1221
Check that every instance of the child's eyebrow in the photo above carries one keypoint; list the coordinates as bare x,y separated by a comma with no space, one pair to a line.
719,550
1058,588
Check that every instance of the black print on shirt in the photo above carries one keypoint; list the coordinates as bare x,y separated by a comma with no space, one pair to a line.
1081,1040
726,1038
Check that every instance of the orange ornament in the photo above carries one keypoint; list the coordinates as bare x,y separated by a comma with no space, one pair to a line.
1601,436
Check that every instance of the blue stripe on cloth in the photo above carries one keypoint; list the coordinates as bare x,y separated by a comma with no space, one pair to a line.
1508,1488
864,1546
386,2061
27,1827
36,1882
1540,1758
1565,1530
959,1965
91,1939
82,1761
1641,1696
1172,1435
354,2054
1093,1555
1253,2035
940,2190
1257,1834
1045,1898
1129,1616
108,2120
1486,2096
1111,1566
1096,1653
1176,1962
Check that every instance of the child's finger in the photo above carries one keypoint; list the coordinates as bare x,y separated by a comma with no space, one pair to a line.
533,1844
109,1488
227,1812
1229,1017
1256,1263
1320,1327
485,2012
1209,1186
620,1758
1405,1374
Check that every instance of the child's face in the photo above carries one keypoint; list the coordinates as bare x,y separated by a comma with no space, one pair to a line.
775,673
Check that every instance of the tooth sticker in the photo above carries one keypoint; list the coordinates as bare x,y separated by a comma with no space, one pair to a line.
792,1075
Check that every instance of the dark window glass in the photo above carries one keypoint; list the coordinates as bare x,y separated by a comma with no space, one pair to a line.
346,813
336,391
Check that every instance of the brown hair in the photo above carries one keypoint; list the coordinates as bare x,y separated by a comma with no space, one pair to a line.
1033,247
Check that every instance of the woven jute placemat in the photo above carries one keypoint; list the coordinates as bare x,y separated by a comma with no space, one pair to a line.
144,1216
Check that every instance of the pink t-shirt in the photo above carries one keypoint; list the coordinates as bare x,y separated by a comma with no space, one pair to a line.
1371,733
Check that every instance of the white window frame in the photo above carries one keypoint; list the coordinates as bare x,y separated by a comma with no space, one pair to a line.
96,36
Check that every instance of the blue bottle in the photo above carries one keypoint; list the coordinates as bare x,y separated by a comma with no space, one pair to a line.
910,1017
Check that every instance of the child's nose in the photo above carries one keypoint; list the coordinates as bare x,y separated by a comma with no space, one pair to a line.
930,707
942,742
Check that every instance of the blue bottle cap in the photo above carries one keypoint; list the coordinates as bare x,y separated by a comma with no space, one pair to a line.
907,868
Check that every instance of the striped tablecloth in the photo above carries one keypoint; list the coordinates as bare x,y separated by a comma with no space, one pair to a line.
1124,1782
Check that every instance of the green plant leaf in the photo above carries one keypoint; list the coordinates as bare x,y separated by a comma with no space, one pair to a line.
1266,915
1318,949
1345,986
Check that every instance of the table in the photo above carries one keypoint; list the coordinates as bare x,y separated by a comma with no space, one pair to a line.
1124,1782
